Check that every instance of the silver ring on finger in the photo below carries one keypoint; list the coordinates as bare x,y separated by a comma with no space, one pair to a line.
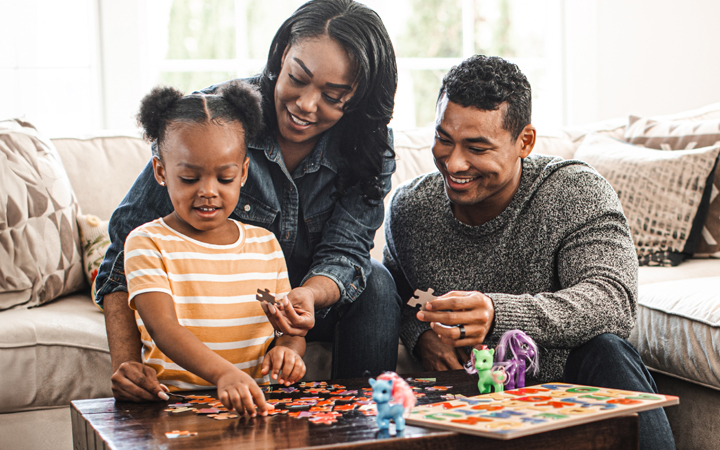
278,333
462,331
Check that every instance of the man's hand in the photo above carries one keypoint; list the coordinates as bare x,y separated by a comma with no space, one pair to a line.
438,356
293,314
471,309
136,382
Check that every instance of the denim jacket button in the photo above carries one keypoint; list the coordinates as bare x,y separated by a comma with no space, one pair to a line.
247,208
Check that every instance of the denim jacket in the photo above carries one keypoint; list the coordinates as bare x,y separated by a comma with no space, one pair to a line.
319,235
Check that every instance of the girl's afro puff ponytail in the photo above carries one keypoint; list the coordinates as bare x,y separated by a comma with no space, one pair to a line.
155,110
245,100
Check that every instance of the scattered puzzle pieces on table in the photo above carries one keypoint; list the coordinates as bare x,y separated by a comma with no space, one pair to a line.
265,296
326,404
421,297
179,434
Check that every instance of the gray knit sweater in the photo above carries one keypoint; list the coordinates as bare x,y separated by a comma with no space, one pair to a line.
558,262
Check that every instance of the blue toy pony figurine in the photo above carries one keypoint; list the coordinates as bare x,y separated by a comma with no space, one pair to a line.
489,375
523,357
389,387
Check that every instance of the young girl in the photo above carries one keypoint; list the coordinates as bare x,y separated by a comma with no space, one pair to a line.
193,274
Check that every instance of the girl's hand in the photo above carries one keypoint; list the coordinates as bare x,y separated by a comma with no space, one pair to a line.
285,363
237,390
293,314
471,309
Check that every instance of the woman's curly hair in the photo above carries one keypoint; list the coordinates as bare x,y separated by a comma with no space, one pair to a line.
166,106
486,82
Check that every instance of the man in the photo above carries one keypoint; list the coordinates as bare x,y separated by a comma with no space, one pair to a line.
516,241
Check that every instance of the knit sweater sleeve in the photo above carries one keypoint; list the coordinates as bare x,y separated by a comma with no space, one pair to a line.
410,327
596,268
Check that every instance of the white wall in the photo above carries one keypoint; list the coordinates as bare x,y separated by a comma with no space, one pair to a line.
644,57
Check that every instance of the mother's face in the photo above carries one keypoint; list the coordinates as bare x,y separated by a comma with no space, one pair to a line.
317,78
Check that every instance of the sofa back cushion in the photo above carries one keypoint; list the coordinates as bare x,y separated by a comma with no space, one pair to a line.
40,257
102,169
662,193
682,135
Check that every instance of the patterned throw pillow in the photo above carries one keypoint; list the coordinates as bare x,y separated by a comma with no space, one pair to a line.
662,193
684,135
95,240
39,241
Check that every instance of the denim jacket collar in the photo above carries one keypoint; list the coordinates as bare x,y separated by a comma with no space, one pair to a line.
319,155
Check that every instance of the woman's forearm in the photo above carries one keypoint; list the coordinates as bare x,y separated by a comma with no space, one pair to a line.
122,331
324,290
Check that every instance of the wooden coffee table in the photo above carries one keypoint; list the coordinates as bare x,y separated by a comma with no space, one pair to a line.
107,424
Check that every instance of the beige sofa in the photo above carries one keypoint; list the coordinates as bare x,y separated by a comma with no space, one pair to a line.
58,352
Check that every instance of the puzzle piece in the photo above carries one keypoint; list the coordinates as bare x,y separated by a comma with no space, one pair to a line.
421,297
180,434
180,409
265,296
223,416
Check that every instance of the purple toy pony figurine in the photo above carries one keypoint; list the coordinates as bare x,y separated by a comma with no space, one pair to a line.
523,357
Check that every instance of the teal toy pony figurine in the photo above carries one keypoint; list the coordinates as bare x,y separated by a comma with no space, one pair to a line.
389,387
490,377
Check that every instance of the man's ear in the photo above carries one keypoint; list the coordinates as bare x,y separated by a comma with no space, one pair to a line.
159,170
526,140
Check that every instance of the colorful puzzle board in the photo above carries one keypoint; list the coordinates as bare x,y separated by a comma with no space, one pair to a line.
534,409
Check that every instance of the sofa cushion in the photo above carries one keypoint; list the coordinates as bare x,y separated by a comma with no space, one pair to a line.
681,135
102,168
40,256
661,193
678,329
53,354
95,240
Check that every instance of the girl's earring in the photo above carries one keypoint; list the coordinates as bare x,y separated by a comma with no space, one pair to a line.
162,183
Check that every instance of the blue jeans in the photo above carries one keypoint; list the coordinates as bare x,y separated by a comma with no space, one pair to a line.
611,362
365,332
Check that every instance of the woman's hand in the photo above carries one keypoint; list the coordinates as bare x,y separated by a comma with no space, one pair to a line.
237,390
285,363
136,382
293,314
471,309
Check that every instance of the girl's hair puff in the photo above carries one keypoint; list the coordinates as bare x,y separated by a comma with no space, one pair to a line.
402,392
165,107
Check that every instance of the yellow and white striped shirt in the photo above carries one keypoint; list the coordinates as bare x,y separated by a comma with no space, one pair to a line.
213,287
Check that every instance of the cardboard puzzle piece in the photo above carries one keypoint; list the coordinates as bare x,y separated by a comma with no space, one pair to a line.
180,434
265,296
421,297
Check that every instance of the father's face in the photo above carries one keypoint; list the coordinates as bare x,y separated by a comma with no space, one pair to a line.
479,160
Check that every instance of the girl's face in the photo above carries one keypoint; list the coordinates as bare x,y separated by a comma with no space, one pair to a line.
316,79
203,166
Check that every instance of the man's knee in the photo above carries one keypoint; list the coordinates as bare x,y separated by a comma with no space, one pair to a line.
610,361
380,287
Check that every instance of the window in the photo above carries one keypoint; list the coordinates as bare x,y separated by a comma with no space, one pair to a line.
208,41
49,70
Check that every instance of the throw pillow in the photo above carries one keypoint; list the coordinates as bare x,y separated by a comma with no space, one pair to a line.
39,240
685,135
662,193
95,240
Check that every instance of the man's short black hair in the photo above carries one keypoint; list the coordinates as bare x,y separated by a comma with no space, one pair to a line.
486,82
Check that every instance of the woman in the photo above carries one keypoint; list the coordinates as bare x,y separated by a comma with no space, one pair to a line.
317,178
